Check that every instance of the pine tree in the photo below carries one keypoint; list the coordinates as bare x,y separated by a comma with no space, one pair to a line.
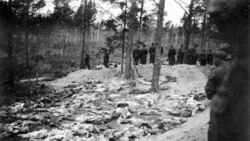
158,37
84,19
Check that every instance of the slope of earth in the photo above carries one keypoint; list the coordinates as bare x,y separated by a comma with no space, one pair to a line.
92,105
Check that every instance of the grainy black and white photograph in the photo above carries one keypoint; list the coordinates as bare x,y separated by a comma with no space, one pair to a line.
124,70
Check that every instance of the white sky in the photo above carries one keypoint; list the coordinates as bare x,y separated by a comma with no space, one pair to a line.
175,12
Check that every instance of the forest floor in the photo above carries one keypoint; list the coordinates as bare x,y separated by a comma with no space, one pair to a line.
98,105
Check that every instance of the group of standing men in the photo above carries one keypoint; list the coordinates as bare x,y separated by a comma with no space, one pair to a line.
105,60
140,54
204,58
192,56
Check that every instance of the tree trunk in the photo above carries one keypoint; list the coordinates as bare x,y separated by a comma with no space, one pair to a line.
129,49
48,41
140,31
203,34
27,46
27,35
186,45
187,29
158,36
65,42
124,37
82,62
10,57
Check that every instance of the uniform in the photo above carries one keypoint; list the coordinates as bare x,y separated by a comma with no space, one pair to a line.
162,50
143,57
171,56
180,56
233,123
106,60
203,59
192,56
210,58
152,55
87,59
231,102
215,79
136,56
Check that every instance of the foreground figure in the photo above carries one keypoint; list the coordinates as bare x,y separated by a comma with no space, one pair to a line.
215,79
231,102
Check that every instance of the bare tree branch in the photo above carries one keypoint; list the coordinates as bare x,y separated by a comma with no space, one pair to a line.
156,3
106,11
181,6
184,2
196,2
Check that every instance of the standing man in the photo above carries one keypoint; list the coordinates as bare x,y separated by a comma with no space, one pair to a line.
162,50
215,79
136,55
87,59
189,56
106,59
152,53
192,55
203,58
171,55
232,100
144,53
180,55
217,74
195,55
210,57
